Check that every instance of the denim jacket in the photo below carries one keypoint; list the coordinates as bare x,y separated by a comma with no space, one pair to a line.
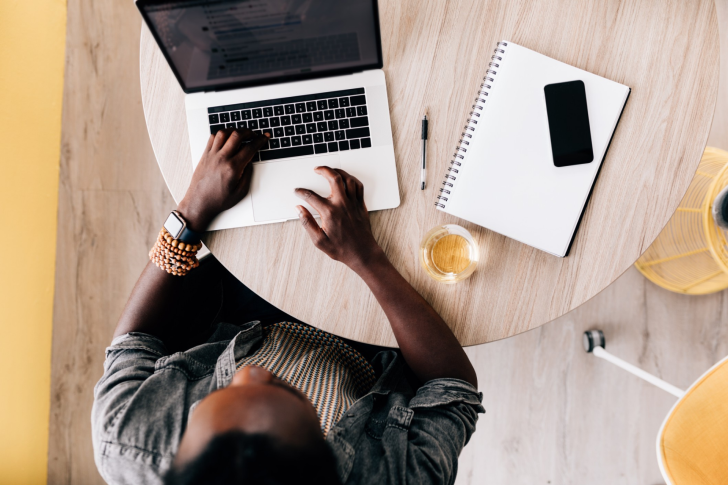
398,433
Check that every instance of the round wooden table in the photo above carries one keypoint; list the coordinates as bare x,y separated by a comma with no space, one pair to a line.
434,59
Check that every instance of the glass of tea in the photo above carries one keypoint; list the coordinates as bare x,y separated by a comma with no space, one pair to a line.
448,253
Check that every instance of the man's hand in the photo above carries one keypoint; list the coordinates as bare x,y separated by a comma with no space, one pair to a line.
427,344
222,178
345,234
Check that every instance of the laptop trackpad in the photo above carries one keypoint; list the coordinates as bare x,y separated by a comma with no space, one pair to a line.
273,184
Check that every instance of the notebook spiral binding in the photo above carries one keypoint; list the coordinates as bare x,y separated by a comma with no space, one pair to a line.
462,148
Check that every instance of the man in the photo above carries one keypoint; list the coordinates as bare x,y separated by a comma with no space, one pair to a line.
278,402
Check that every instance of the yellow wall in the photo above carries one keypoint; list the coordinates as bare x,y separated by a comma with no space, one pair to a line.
32,42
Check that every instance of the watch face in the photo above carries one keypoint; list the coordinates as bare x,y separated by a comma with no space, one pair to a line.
173,225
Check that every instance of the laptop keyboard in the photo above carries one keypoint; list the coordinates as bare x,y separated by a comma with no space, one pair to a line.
301,125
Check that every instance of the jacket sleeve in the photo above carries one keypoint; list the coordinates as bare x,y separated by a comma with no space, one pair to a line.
130,361
431,432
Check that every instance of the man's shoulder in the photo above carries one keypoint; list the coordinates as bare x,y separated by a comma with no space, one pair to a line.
143,400
399,427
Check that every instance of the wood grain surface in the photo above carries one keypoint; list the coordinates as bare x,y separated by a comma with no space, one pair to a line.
434,56
555,414
111,204
552,413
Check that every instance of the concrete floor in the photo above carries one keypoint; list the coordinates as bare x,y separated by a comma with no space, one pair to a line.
554,414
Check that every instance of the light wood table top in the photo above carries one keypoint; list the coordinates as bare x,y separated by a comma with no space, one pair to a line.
435,55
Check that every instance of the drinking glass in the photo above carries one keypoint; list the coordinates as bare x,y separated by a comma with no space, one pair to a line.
449,253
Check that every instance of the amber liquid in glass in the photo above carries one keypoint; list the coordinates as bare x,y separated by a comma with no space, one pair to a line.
451,254
448,253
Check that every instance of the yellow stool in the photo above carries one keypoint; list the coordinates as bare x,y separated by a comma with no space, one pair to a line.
690,255
692,445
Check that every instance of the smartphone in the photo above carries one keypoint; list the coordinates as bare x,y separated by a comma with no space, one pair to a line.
568,116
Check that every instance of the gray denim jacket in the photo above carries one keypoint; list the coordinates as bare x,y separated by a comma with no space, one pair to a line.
397,433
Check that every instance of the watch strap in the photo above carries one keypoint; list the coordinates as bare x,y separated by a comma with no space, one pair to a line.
189,236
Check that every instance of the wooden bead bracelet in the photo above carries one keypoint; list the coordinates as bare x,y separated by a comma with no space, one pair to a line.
173,256
179,245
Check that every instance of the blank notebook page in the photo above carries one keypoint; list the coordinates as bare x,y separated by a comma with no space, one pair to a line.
507,181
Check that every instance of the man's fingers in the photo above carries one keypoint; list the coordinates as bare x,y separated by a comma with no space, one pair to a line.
247,150
220,138
235,140
360,192
244,184
336,180
209,143
317,202
314,231
353,186
255,144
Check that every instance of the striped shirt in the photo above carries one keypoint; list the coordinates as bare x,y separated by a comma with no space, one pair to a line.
328,371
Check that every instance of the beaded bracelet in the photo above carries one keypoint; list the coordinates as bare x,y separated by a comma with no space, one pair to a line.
173,256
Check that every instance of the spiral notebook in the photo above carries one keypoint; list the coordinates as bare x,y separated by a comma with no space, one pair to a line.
502,176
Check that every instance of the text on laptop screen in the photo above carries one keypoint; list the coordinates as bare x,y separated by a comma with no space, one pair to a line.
212,44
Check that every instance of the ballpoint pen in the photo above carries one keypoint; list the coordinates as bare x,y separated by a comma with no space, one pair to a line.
424,152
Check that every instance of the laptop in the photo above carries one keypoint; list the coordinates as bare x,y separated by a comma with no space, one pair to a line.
307,72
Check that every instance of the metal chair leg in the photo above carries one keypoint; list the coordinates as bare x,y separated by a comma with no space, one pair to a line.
594,342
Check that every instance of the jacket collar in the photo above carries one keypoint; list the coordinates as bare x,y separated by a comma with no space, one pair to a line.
242,344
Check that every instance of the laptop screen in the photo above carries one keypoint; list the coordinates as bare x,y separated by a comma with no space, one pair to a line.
218,44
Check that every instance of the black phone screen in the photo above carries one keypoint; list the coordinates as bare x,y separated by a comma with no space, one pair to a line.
568,123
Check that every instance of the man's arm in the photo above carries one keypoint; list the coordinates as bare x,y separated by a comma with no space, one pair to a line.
427,343
221,180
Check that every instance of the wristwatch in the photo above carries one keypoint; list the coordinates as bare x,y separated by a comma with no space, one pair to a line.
176,226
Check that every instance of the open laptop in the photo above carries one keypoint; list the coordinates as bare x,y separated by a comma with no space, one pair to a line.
306,71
